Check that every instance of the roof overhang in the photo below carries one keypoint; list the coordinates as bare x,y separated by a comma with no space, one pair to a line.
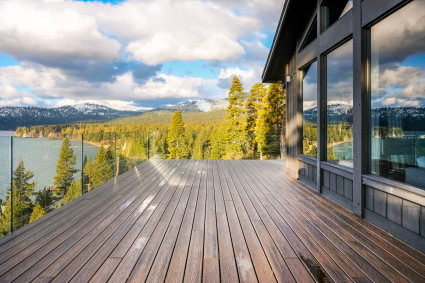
292,23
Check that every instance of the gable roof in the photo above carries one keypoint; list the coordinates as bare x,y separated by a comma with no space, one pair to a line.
293,20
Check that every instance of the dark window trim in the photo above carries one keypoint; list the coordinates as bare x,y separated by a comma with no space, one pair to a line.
307,159
374,11
343,171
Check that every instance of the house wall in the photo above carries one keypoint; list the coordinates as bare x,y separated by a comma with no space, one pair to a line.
396,207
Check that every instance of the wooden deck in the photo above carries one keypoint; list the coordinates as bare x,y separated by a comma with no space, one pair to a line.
180,220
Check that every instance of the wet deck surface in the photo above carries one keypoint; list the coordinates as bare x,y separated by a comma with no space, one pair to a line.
187,220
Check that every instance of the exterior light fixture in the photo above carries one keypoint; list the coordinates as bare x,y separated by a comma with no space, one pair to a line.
288,78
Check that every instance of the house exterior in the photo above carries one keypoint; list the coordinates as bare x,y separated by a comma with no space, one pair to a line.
354,72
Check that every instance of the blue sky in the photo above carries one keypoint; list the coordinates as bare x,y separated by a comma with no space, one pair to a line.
133,54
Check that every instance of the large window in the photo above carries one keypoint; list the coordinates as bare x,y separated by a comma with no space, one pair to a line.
309,91
397,92
339,110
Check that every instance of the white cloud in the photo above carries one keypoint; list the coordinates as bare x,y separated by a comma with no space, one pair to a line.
115,104
71,49
33,30
51,84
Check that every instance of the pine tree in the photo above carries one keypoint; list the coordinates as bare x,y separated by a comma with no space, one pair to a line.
88,173
235,133
331,154
22,183
270,122
20,213
276,110
199,145
176,139
65,167
45,199
73,192
218,142
253,105
37,212
102,168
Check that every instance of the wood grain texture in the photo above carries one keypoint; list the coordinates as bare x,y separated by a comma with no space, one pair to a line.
208,220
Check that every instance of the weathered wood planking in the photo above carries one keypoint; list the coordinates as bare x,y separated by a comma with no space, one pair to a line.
205,220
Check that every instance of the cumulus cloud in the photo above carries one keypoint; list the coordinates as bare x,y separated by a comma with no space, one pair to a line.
400,86
48,83
387,37
78,51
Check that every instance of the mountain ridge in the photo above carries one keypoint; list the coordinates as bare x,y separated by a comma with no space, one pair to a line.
18,116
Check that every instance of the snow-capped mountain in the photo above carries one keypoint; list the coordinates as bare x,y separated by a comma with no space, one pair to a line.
407,118
12,117
201,105
335,114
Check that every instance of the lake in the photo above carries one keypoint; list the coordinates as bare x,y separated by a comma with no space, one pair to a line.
39,155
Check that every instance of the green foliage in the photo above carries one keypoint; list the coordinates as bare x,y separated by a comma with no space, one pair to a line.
331,154
235,132
176,139
65,167
20,213
253,105
37,212
22,183
46,199
73,192
270,122
102,169
89,173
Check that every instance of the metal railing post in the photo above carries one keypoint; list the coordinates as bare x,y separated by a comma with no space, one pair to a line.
82,163
116,165
11,183
147,144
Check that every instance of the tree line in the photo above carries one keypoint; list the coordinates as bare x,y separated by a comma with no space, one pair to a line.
251,127
28,205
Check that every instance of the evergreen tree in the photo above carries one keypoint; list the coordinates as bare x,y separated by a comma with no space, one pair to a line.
65,167
276,111
37,212
270,122
73,192
199,145
88,173
218,142
45,199
20,213
177,143
331,154
253,105
235,133
262,130
22,183
102,168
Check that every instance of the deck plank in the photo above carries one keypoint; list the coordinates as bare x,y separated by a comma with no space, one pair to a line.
205,220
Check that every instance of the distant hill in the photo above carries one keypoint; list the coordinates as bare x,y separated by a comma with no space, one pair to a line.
12,117
201,105
164,117
193,111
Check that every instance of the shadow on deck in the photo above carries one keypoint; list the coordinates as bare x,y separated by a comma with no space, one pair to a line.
175,220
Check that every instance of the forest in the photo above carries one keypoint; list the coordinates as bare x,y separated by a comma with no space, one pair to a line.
250,128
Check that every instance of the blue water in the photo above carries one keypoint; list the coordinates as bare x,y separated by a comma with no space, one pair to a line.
344,150
39,155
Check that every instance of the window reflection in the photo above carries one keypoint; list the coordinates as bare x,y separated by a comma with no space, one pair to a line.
309,90
339,108
398,96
